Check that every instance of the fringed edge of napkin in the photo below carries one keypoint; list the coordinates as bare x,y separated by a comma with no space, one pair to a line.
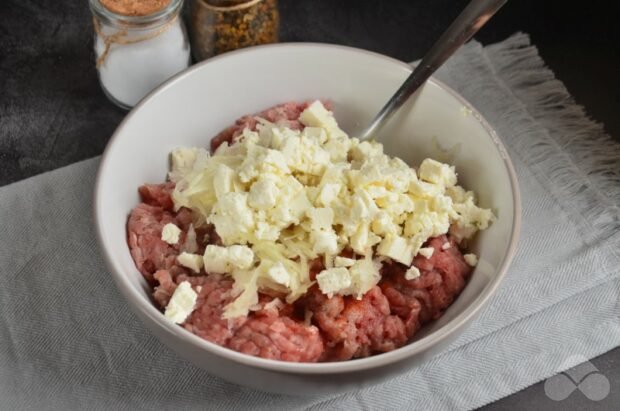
582,160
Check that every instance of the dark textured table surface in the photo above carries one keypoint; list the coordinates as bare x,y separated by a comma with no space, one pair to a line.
53,113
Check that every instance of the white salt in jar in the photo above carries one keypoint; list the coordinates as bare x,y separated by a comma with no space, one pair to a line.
139,44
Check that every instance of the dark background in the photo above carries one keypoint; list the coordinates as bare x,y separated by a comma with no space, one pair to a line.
53,113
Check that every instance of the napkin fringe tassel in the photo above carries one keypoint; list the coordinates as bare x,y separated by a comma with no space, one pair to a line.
578,153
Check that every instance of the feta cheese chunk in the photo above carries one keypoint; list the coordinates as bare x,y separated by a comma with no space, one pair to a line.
364,275
221,260
426,252
343,261
316,115
328,193
363,240
191,261
170,233
334,280
397,248
321,218
182,159
437,173
181,304
232,217
279,274
325,242
412,273
471,259
240,256
215,259
223,180
265,231
263,194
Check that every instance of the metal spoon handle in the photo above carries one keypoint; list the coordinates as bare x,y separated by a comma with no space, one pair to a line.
471,19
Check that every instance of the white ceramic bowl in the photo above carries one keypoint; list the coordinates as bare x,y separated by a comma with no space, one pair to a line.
196,104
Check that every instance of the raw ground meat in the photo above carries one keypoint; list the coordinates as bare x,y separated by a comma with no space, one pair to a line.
315,328
267,334
442,278
159,195
144,227
149,251
355,328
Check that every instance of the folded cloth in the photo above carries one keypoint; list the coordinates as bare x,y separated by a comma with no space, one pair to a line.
69,341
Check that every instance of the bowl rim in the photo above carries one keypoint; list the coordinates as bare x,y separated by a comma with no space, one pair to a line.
148,309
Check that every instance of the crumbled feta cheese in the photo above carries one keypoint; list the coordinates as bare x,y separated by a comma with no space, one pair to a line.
472,216
246,288
445,246
316,133
278,274
223,180
280,198
397,248
364,207
263,194
321,218
337,147
240,256
364,275
328,193
316,115
343,261
191,261
425,190
412,273
426,252
366,150
215,259
218,259
383,224
170,233
334,280
265,231
438,173
181,303
325,242
232,217
182,159
363,240
471,259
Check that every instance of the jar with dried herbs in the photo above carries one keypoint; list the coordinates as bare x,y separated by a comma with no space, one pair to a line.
218,26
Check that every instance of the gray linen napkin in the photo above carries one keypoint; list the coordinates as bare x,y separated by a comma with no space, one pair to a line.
68,340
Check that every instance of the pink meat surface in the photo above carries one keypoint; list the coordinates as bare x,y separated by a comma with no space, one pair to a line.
149,251
355,328
268,334
158,195
206,321
144,227
265,333
442,278
340,328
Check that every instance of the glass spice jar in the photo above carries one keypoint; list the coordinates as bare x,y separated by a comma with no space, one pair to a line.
218,26
138,45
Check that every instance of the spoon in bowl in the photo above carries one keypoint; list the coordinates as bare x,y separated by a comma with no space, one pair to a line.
471,19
